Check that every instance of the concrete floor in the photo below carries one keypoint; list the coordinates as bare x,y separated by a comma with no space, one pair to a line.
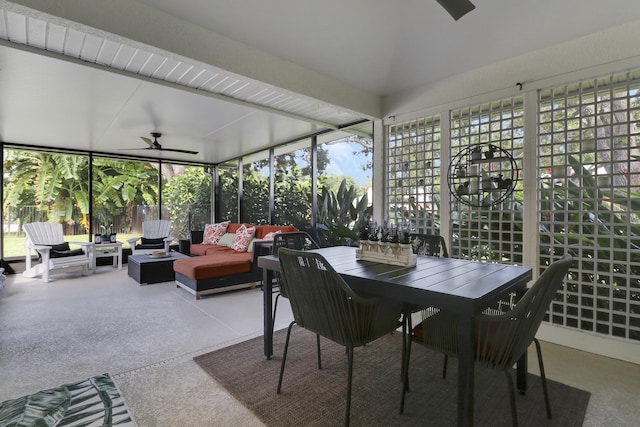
146,337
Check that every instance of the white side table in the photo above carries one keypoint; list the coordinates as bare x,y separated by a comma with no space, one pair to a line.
103,250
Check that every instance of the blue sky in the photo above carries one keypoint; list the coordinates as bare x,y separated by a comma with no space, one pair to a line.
344,162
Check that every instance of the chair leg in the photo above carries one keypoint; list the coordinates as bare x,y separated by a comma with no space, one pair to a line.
405,373
404,343
543,378
284,356
349,380
319,356
512,399
407,343
275,309
444,366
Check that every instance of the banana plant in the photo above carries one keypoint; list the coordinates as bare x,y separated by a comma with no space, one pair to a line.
595,224
343,212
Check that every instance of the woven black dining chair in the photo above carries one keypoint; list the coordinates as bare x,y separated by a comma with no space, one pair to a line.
428,244
299,240
500,340
323,303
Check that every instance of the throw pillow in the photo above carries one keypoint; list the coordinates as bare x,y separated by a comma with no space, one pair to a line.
271,235
213,232
62,250
227,239
151,243
244,235
60,247
158,241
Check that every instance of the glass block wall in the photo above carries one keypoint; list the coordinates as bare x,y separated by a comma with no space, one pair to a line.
585,184
413,172
489,232
589,167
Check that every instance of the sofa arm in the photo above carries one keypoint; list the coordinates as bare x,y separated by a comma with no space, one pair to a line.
196,236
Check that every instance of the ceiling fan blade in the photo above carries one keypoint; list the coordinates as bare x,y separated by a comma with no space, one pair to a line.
148,141
155,145
457,8
178,150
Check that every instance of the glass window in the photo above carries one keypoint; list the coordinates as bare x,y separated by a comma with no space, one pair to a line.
186,198
227,209
44,186
255,188
125,194
344,186
41,185
292,196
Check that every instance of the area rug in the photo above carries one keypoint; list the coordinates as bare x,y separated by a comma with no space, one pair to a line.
92,402
312,397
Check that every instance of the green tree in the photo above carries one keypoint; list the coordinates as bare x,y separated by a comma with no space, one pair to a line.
343,212
292,197
57,184
119,186
255,196
228,207
333,182
187,197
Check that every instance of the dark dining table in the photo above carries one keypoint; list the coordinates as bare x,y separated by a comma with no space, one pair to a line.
461,286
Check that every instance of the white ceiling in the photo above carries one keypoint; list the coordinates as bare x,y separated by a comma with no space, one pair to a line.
387,46
98,75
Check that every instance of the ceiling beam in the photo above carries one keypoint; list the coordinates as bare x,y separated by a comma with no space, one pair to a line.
178,86
137,22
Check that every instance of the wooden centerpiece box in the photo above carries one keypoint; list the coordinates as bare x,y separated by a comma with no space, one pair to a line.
386,253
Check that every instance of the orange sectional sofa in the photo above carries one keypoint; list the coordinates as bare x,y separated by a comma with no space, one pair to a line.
214,268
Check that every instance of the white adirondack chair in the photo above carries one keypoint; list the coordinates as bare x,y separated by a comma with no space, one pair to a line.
157,229
40,237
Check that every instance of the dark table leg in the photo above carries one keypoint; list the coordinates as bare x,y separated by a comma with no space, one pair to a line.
267,307
465,370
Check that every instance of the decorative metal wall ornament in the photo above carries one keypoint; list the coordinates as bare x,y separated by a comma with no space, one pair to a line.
482,175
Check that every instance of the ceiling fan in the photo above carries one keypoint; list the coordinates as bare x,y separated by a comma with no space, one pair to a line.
155,145
457,8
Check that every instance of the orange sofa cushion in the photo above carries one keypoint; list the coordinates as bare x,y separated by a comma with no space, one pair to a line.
233,227
223,263
202,249
261,231
199,249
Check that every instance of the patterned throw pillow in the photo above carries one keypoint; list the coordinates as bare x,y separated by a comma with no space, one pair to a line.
213,232
244,235
271,235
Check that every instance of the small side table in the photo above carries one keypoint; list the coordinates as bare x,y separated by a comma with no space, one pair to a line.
146,269
104,250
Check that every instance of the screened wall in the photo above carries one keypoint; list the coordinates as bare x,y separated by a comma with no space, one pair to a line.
320,184
96,194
